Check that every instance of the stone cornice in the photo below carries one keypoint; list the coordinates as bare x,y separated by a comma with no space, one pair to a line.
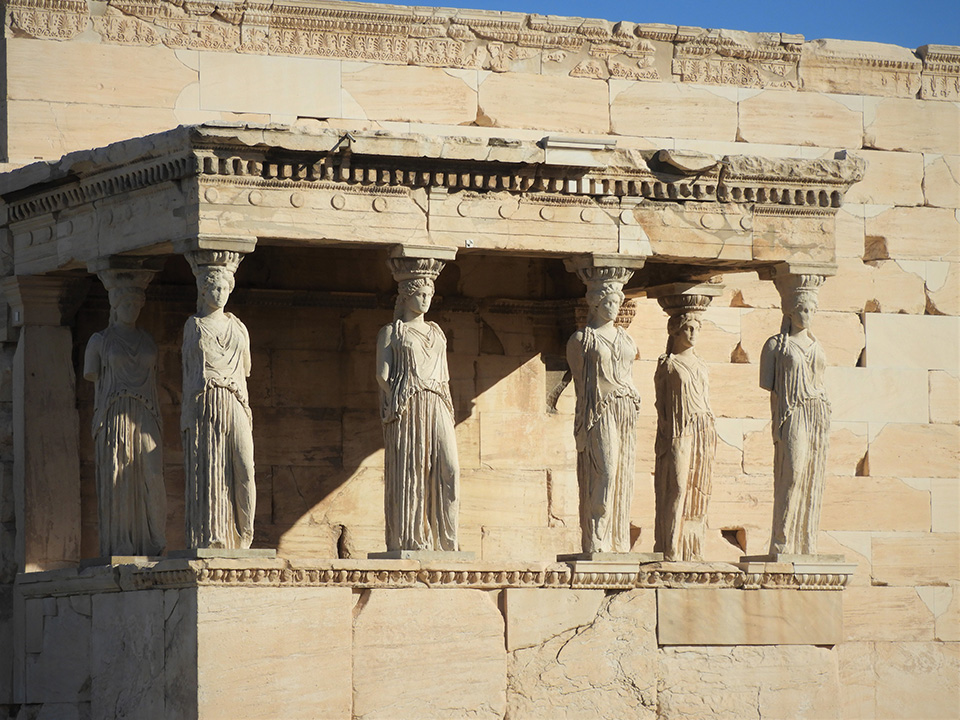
269,157
486,40
363,574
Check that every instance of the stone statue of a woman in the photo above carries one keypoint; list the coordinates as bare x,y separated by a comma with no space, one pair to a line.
792,366
216,421
601,359
122,361
686,436
421,467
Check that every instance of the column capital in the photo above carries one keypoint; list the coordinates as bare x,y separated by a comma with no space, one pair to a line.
579,263
43,299
684,297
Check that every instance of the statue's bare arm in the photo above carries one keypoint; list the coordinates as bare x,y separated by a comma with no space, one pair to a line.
767,364
384,357
91,358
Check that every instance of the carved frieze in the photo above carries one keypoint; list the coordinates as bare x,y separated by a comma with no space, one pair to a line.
723,57
169,574
48,19
940,78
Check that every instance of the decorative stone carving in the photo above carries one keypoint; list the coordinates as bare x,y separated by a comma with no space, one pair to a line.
421,466
686,435
792,367
127,428
726,57
601,359
216,420
940,77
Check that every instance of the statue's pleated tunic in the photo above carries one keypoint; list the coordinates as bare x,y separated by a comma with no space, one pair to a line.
128,444
605,431
801,426
217,428
685,446
421,467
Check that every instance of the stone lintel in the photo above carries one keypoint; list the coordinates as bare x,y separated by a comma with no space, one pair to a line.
150,263
237,244
780,270
424,252
43,299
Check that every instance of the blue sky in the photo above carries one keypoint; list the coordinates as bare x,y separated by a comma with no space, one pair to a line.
909,23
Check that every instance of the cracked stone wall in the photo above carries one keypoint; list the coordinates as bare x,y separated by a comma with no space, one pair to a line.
81,74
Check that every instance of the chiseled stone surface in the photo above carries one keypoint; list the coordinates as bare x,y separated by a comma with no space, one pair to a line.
754,617
672,110
127,655
917,680
867,613
299,638
904,341
605,669
773,683
893,451
912,125
941,180
915,560
514,100
424,654
769,117
913,233
57,640
535,616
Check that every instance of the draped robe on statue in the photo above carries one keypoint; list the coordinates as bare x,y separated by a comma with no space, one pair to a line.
801,428
605,431
128,444
217,428
421,467
685,445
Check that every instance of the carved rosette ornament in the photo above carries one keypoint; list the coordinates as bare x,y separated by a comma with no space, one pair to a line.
686,440
216,420
127,429
421,465
792,368
601,359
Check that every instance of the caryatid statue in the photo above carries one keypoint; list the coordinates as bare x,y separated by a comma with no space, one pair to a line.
792,367
421,466
122,362
216,420
601,359
686,435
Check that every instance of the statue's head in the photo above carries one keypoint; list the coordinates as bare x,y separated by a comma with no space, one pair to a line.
214,285
126,290
414,294
604,301
684,328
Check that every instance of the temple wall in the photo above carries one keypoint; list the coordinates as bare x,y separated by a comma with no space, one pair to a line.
888,321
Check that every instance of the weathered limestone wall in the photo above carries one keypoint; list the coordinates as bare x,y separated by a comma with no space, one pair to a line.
888,321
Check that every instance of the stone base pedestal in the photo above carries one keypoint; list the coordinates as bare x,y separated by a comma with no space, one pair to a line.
119,560
637,558
226,553
424,556
792,558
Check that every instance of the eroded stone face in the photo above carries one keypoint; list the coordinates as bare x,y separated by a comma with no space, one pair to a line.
423,654
604,668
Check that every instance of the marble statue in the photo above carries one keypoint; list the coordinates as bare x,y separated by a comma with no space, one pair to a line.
792,366
601,359
216,420
421,467
686,436
122,362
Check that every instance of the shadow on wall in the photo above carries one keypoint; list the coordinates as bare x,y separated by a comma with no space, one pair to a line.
313,317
